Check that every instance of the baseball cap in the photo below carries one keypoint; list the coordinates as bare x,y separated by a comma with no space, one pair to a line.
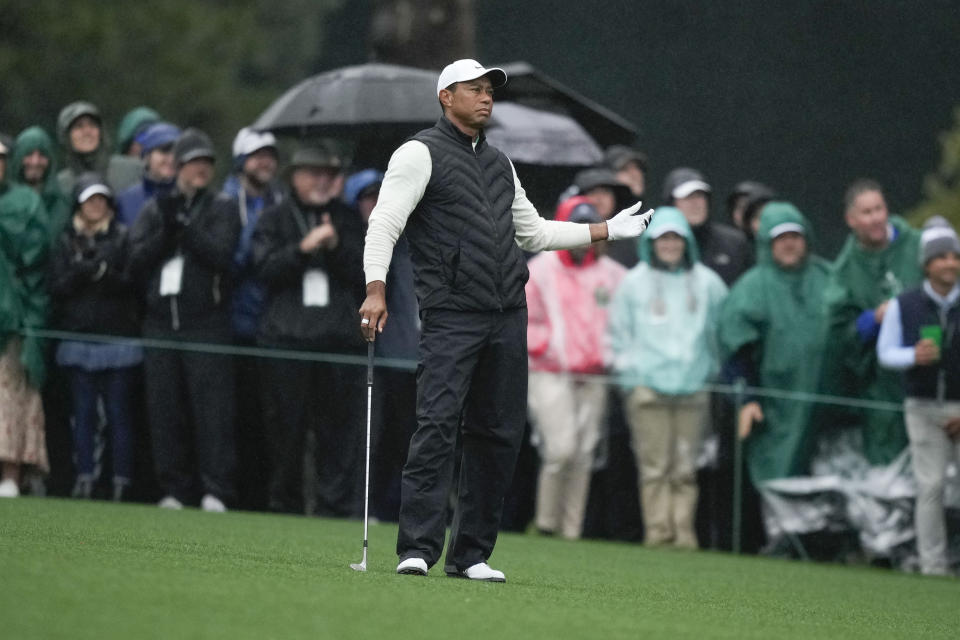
157,135
3,148
467,69
668,227
248,141
88,185
191,145
681,182
787,227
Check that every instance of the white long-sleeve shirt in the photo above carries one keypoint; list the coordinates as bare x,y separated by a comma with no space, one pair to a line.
890,350
404,185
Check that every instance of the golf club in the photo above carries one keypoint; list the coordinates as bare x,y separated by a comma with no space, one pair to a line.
362,565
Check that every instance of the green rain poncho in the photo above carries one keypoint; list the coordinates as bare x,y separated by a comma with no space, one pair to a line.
778,315
54,201
24,242
861,280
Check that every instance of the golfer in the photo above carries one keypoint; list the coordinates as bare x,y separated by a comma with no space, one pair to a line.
467,222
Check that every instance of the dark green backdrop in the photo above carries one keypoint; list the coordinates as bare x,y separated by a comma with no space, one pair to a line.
803,95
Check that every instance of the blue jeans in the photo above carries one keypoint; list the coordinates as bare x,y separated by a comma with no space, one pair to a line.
114,386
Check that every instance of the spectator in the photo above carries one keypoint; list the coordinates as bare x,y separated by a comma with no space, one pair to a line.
34,165
93,294
132,125
745,203
606,193
918,335
772,326
159,170
394,388
663,330
23,305
181,250
631,167
80,132
251,186
728,252
307,251
567,298
878,262
722,248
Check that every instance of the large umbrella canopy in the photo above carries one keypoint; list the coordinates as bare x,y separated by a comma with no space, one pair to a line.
363,100
533,88
532,136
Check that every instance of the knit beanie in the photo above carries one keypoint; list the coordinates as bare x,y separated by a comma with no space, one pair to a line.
937,239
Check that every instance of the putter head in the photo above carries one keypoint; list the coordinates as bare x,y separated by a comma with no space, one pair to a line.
362,566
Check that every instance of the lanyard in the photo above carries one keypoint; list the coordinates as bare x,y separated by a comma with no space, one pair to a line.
298,216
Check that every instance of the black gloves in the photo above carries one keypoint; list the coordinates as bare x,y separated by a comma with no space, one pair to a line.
171,210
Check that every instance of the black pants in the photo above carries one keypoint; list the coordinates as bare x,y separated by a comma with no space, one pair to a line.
473,365
394,422
190,405
328,400
252,457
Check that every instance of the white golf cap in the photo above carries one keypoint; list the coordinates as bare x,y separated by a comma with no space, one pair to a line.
787,227
684,189
467,69
668,227
249,141
93,190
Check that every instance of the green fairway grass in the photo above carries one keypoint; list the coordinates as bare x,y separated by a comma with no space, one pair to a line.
71,569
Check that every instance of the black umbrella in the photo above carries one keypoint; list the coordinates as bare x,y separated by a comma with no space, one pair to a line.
532,136
362,101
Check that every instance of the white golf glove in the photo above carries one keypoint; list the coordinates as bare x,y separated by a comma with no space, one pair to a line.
629,223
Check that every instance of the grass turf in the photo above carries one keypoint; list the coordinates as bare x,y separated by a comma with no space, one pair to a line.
71,569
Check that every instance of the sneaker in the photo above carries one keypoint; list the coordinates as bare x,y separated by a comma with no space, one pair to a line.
480,571
9,489
169,502
83,488
413,567
212,504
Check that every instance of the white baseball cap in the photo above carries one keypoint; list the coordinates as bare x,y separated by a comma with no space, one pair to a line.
668,227
93,190
787,227
248,141
689,187
467,69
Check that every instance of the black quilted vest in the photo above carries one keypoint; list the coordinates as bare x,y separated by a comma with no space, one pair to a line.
917,310
462,240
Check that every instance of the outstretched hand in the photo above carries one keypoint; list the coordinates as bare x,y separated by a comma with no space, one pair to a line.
629,223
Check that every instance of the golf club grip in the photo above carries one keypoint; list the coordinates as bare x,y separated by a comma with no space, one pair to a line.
370,363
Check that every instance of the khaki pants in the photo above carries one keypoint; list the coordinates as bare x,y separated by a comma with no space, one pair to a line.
567,414
666,434
931,449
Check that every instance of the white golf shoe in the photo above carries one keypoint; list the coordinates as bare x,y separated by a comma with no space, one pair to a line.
212,504
169,502
9,489
413,567
481,571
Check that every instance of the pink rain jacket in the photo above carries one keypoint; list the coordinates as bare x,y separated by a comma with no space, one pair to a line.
567,308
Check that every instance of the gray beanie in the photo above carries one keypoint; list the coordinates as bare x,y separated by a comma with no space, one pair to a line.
937,239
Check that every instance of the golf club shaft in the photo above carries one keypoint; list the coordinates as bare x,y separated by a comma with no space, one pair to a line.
366,490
